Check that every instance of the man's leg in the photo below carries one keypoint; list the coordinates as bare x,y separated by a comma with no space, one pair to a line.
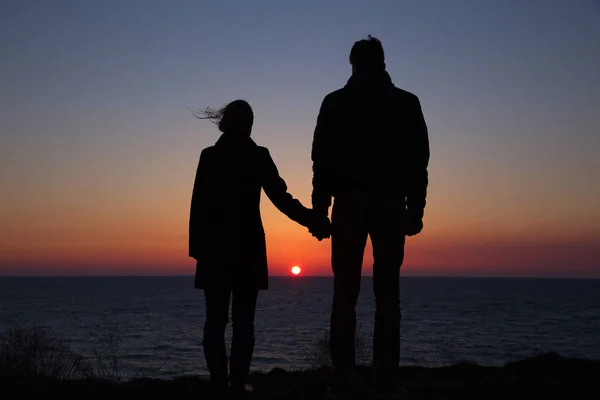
386,220
348,239
243,310
217,310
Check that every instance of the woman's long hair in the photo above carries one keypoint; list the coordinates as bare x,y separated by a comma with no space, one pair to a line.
235,117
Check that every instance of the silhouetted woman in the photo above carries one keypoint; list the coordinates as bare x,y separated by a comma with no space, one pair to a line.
228,241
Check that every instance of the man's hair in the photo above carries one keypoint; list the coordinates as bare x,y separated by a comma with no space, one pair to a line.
367,53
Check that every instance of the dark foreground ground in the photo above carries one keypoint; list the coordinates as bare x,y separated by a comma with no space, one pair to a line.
543,377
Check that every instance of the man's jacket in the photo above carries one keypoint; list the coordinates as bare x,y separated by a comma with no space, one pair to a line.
371,137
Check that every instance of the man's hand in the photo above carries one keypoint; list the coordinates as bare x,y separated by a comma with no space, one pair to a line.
320,226
414,225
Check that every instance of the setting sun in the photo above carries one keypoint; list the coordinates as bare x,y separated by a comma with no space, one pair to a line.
296,270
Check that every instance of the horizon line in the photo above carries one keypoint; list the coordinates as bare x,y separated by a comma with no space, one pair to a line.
313,276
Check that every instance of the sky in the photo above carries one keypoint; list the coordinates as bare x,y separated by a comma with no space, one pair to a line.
98,146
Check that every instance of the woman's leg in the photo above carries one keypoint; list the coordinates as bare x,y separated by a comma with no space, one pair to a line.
243,310
215,353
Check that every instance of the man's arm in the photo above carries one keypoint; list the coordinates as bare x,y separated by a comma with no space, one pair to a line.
418,177
321,158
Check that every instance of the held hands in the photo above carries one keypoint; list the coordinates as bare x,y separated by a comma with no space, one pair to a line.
414,225
319,226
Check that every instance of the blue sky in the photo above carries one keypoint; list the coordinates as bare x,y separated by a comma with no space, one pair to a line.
99,91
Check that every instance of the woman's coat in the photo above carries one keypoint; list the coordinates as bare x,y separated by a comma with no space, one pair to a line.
226,234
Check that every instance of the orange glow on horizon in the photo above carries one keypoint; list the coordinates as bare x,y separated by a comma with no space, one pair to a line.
78,234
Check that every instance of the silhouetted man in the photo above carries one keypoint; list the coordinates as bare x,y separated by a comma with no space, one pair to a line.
370,153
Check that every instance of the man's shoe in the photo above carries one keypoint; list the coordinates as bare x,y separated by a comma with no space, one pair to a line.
240,391
220,394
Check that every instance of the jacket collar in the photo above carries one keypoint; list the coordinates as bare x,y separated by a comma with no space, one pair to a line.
370,81
233,140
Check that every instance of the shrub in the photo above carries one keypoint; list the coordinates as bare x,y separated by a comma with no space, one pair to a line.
39,351
321,355
109,357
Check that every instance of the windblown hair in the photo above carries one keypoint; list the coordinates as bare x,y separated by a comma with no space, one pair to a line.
236,116
213,115
367,53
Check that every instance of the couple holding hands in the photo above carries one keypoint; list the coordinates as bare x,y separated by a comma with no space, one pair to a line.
370,154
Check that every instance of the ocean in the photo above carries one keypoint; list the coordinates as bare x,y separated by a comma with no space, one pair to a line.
157,321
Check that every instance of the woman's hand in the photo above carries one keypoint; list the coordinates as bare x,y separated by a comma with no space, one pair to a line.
320,227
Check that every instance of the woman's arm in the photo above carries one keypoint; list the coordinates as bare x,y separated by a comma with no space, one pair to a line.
276,189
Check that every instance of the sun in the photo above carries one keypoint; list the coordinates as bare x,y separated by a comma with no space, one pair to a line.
296,270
